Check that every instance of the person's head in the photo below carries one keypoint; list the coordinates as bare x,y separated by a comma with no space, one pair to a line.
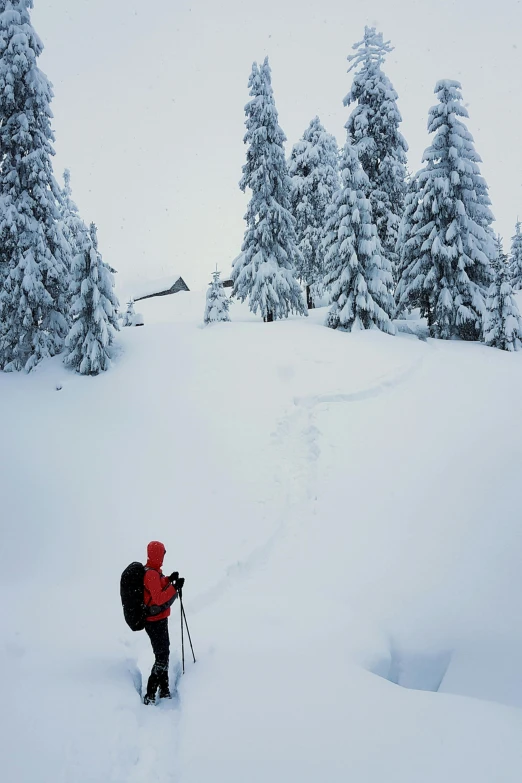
155,554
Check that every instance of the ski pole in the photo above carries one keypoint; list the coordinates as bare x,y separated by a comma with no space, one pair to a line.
188,632
182,641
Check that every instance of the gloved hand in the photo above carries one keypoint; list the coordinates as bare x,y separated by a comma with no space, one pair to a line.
179,584
174,577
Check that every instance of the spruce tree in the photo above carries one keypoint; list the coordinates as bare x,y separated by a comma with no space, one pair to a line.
128,317
265,271
357,272
373,128
34,255
516,259
446,259
217,304
502,322
73,226
94,310
501,258
314,169
413,264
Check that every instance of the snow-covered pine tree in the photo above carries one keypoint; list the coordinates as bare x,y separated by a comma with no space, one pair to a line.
447,266
373,128
73,226
34,255
314,169
413,264
94,310
515,261
502,322
128,316
265,271
358,274
501,258
217,304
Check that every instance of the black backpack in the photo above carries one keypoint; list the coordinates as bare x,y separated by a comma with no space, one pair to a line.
131,592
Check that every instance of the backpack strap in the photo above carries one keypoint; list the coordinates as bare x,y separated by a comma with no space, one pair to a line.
152,611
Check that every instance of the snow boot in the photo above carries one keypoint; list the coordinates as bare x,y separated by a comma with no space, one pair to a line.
164,690
152,687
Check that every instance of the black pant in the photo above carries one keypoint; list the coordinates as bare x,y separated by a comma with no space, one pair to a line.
158,633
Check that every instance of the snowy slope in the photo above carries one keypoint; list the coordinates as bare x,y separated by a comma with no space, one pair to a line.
345,511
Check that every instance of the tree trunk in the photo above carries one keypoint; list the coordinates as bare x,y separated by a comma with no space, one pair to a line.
269,317
309,299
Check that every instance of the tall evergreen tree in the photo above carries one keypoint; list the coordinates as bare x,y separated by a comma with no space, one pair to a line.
502,322
413,266
265,271
501,258
516,259
314,169
217,304
447,255
33,252
357,272
94,310
373,128
73,226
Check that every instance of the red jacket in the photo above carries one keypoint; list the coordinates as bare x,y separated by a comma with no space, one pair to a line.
158,590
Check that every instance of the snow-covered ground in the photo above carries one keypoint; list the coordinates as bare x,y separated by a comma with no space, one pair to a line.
345,509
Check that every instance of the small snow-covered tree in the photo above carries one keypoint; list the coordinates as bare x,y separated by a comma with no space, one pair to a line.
516,259
357,272
128,316
373,128
217,304
34,255
265,271
314,170
94,309
73,226
446,259
502,322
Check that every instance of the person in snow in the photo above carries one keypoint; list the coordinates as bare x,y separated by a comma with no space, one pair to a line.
159,590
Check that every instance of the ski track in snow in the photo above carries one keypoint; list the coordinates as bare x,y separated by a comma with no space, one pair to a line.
157,749
297,433
241,569
296,439
383,385
157,733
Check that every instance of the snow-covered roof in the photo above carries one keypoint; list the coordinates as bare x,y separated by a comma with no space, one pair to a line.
150,287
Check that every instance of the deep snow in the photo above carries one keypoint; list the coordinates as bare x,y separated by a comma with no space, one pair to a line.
345,511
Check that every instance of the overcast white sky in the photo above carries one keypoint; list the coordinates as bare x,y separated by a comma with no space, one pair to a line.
150,97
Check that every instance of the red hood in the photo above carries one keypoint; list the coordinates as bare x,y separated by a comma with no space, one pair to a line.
155,555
